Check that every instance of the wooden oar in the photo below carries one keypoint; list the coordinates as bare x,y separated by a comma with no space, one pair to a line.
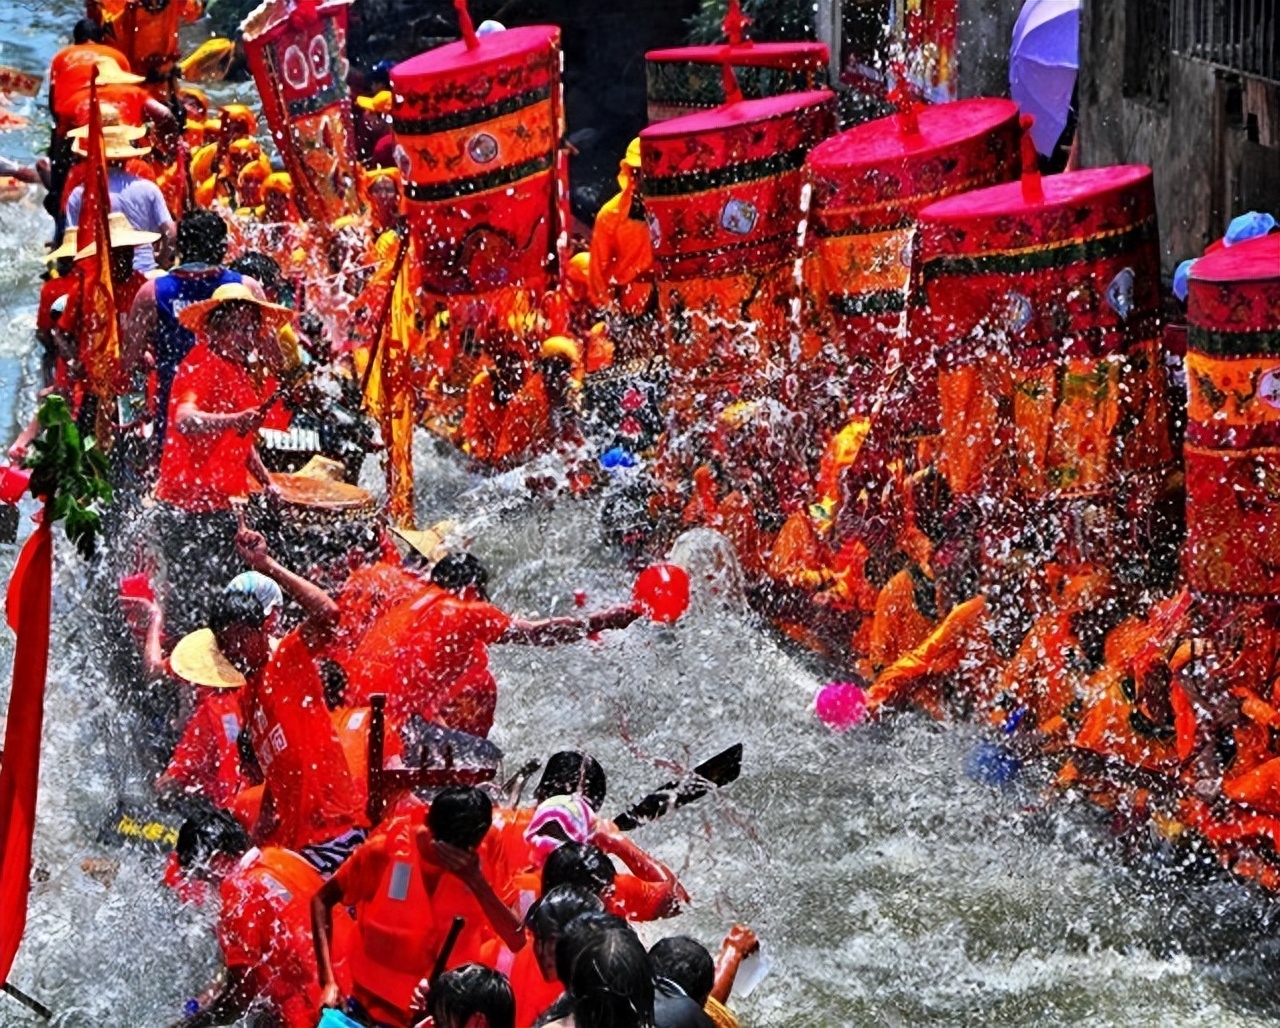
720,770
30,1002
446,950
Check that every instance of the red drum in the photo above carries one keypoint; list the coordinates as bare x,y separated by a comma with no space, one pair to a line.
687,79
477,132
1042,298
869,185
297,51
722,194
1233,421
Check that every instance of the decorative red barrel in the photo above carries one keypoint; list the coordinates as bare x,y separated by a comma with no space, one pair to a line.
1232,446
869,184
722,193
478,124
684,80
297,51
1040,300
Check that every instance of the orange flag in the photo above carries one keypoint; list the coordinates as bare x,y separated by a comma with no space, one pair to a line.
28,608
100,331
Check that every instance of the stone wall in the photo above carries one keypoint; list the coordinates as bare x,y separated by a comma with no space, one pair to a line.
984,32
1213,143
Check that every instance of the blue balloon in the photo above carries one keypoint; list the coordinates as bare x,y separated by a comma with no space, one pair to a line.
618,458
989,763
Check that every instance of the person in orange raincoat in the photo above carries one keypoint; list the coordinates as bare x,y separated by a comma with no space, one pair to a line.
621,267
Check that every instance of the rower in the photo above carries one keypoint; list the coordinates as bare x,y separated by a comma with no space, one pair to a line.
430,654
621,268
407,883
533,970
264,928
309,803
472,996
147,33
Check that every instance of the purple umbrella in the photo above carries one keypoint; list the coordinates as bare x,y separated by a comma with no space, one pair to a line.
1043,62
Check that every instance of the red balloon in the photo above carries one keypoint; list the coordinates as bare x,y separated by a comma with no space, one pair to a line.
662,591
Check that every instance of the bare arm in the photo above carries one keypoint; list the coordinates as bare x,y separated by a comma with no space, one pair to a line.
465,864
322,612
139,328
558,631
153,659
191,420
740,943
322,904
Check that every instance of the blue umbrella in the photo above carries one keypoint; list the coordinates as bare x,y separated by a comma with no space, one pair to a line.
1043,62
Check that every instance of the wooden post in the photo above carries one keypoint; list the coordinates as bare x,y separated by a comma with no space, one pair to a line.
829,22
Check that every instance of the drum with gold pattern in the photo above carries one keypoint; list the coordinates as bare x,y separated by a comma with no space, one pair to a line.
1232,446
478,125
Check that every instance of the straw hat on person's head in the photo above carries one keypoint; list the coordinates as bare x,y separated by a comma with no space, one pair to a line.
122,234
113,124
111,74
197,659
195,315
429,543
117,143
66,249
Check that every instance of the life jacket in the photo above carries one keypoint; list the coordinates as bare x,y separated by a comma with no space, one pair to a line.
184,285
286,976
352,726
398,930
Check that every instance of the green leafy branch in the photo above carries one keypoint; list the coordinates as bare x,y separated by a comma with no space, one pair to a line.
70,472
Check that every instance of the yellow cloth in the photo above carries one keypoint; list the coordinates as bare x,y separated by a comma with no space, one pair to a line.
621,251
721,1016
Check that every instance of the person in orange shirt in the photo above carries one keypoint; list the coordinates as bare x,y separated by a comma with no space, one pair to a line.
507,410
407,884
430,654
216,404
146,32
264,927
621,268
532,972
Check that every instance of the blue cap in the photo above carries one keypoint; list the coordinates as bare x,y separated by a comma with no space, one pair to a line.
1248,226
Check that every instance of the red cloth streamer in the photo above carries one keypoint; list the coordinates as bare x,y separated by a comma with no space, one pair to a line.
27,606
100,331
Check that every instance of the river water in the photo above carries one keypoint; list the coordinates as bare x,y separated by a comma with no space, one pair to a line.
888,887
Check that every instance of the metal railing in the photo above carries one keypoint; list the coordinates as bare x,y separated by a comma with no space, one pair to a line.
1242,35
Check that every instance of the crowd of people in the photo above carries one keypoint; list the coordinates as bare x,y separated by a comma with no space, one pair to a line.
468,907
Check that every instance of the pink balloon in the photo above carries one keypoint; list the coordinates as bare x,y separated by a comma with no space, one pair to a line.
841,705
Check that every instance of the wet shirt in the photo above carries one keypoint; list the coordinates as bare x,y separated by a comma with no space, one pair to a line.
139,200
430,655
265,930
203,471
367,594
305,771
70,71
206,760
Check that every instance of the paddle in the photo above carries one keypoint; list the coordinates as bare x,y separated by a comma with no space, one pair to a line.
720,770
513,788
29,1002
132,826
446,950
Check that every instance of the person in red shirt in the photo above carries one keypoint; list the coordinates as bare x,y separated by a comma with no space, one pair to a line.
407,884
218,402
264,929
430,654
309,803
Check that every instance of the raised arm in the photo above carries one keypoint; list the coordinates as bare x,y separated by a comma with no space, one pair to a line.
322,612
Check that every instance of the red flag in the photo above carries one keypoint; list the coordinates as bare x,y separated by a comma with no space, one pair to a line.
28,603
100,332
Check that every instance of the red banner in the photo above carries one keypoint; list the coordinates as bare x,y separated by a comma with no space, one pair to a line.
99,329
28,607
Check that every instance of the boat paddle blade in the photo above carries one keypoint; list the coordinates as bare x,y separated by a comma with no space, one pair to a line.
662,591
720,770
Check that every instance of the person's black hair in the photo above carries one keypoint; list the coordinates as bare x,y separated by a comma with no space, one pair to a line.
202,237
257,265
334,680
235,314
460,816
611,983
556,910
472,989
458,570
571,771
580,865
686,962
233,609
207,833
86,31
580,934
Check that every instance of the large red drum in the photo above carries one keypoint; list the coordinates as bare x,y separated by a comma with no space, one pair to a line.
1040,302
722,194
870,183
477,139
686,79
1232,446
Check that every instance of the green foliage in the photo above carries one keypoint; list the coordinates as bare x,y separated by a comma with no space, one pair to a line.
770,20
70,473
